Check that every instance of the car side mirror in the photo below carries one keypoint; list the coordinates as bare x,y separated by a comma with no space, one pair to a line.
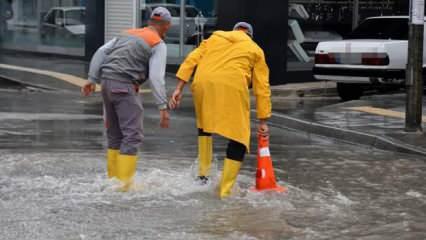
59,22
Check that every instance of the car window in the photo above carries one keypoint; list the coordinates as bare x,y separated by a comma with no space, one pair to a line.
381,28
191,12
50,17
75,17
7,11
59,14
59,17
174,11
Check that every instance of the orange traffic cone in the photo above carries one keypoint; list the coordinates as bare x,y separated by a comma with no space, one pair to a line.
265,177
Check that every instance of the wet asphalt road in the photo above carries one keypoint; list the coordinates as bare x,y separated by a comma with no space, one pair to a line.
53,183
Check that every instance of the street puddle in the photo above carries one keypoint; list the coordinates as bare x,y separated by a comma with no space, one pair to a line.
68,187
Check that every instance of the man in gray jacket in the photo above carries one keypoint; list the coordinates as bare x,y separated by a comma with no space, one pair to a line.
121,66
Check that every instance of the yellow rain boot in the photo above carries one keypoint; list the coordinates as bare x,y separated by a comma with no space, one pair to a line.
231,168
205,155
126,169
112,155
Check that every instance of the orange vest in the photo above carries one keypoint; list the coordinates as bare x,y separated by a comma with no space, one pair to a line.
150,36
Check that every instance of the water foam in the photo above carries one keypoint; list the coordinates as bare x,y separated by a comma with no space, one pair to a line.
414,194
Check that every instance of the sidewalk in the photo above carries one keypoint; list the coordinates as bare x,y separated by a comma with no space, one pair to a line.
377,121
70,76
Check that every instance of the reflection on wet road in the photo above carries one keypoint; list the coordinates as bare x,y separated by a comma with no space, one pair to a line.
53,183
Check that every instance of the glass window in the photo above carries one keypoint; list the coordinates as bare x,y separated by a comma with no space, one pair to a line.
311,22
377,28
45,26
192,33
175,11
75,17
59,17
192,12
50,17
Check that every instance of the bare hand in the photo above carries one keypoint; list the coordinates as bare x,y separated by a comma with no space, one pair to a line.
88,89
164,119
263,129
176,99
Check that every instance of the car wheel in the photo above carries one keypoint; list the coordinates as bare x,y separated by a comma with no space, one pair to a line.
348,91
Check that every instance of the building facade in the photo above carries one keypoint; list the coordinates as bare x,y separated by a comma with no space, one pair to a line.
288,30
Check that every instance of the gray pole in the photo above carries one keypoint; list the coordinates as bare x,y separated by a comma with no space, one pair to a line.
137,13
355,14
182,27
414,72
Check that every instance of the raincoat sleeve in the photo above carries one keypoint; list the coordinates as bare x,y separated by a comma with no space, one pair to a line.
261,88
187,67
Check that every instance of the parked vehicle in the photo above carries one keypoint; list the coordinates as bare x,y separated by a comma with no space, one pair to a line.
68,22
190,30
373,56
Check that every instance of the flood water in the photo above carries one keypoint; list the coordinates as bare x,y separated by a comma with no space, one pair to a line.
53,185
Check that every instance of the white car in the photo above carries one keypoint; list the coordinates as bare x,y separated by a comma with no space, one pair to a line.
374,56
68,22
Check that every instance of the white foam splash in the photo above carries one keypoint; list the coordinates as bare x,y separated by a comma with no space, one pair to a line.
240,236
414,194
342,199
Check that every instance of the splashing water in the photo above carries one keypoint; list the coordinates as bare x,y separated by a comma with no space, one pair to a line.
62,195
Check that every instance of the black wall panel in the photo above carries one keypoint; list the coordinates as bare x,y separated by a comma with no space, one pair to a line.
269,19
95,26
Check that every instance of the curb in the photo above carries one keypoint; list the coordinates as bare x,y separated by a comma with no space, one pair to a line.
300,93
310,92
283,121
25,84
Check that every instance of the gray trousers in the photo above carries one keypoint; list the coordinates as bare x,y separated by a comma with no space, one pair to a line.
123,112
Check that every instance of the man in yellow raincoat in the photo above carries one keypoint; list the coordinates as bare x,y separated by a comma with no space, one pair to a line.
228,64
